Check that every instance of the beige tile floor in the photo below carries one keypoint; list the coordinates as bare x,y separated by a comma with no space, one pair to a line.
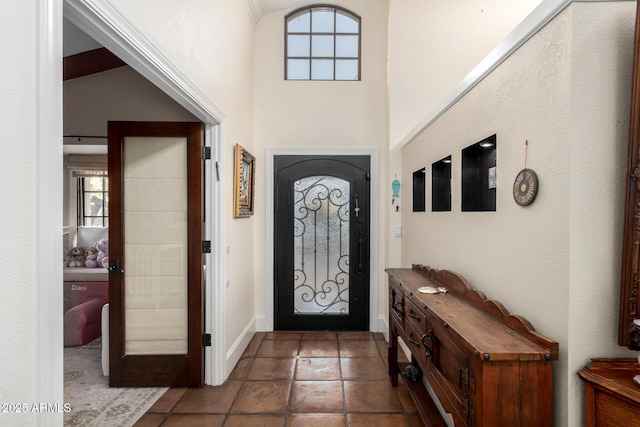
288,379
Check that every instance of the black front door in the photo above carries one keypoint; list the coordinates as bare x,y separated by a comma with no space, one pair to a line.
321,242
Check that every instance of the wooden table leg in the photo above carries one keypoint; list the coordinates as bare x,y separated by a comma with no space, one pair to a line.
393,357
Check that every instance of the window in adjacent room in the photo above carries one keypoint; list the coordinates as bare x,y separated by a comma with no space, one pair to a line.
322,43
93,201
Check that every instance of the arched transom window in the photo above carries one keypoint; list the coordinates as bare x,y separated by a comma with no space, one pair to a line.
322,43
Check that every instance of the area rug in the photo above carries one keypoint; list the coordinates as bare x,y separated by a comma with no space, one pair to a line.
93,402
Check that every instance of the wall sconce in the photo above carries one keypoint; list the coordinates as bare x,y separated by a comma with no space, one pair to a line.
395,186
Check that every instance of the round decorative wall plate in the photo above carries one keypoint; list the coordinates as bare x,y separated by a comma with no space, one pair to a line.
525,187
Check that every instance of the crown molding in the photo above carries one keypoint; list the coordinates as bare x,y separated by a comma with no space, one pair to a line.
255,11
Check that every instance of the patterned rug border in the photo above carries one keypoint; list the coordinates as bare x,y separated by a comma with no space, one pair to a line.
93,402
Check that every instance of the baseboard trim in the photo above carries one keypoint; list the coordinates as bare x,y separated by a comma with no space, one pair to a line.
239,346
261,323
383,326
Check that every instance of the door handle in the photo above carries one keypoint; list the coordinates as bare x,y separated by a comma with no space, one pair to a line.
356,210
397,310
424,339
114,267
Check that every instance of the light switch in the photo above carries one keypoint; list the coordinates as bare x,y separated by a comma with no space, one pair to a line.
397,230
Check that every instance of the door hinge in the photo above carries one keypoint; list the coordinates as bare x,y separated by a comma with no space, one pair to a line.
206,246
217,172
206,340
206,153
368,176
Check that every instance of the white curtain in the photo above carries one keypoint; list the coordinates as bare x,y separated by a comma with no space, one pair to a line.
84,165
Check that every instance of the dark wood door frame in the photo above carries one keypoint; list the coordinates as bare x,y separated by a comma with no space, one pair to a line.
354,169
157,370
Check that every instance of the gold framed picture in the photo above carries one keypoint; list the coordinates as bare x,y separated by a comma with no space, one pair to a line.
244,181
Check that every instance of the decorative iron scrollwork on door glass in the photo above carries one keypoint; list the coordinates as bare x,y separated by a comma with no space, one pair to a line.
321,245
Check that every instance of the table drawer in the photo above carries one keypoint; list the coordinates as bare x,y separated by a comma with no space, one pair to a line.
416,343
416,317
396,302
397,327
450,361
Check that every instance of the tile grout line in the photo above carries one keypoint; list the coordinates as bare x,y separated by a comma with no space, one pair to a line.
293,377
344,392
244,379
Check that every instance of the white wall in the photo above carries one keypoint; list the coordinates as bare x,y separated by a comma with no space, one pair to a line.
118,94
89,102
556,262
18,124
602,62
212,44
434,44
319,114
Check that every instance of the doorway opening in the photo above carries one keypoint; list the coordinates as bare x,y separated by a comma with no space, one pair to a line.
109,28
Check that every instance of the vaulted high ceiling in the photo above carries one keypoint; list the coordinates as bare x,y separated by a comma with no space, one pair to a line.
83,55
76,41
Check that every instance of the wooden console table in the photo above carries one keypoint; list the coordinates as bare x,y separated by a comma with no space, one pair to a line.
487,367
611,398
